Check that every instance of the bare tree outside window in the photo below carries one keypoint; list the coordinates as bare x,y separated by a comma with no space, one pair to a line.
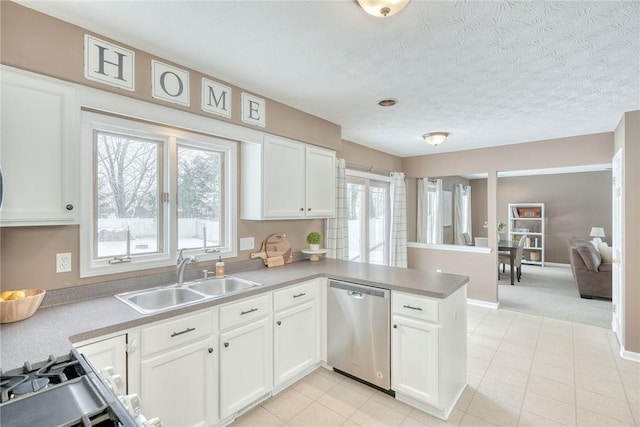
128,194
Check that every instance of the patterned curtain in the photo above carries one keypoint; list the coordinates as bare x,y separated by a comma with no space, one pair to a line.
337,229
398,256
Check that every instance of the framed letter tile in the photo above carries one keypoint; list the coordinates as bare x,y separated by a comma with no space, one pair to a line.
254,110
216,98
169,83
107,63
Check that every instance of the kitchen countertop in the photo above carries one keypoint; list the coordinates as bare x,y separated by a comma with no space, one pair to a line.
52,330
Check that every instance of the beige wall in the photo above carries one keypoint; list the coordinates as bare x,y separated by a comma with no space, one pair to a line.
572,151
40,43
368,158
627,137
574,203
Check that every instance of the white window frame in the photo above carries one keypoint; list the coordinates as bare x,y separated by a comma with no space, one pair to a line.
365,178
89,266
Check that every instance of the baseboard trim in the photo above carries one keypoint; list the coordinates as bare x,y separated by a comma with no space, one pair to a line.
629,355
485,304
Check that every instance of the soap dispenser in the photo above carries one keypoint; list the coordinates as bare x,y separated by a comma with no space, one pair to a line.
220,267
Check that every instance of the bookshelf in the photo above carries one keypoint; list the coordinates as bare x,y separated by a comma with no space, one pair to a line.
528,219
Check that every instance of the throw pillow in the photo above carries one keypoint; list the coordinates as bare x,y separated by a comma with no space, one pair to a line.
606,252
590,256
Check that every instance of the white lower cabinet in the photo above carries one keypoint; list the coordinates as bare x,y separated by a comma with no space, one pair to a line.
296,332
428,350
414,355
108,352
179,369
246,353
179,386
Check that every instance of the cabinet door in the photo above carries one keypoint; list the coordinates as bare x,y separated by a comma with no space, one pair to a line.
180,386
414,356
283,183
246,365
109,352
296,338
37,151
320,182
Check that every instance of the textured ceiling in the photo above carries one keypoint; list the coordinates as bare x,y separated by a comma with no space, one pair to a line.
490,73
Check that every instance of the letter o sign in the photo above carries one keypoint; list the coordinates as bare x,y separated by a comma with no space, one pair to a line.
169,83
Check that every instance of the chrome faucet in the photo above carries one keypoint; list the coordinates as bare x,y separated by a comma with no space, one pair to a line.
181,265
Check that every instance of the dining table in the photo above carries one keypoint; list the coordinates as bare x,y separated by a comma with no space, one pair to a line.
511,247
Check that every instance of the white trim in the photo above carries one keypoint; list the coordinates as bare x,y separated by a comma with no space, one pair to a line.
367,175
164,117
629,355
553,171
454,248
485,304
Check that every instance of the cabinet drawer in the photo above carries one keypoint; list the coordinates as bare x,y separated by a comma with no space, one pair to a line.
176,332
415,306
236,313
295,295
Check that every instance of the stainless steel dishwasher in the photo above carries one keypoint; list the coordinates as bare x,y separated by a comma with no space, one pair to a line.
358,332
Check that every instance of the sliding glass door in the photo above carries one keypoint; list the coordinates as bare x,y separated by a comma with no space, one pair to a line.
368,213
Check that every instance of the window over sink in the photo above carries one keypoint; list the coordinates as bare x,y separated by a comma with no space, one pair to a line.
150,191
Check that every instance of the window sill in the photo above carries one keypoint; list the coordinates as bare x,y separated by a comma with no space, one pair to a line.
452,248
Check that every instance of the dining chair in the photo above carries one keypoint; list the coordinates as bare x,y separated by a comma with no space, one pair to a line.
503,258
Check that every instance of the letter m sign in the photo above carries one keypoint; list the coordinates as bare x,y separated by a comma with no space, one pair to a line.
107,63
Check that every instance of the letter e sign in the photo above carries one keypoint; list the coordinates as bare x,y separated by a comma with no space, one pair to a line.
170,83
254,110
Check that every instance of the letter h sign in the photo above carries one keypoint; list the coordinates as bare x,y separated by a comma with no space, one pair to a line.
107,63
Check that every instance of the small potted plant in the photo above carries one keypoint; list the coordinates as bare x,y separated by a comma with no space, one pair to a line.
314,239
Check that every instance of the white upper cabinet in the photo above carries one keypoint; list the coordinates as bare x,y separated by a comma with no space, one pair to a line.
286,179
38,151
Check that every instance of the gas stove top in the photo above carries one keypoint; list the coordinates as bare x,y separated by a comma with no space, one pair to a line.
60,391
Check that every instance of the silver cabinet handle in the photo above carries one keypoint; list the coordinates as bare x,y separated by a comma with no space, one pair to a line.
301,294
175,334
242,313
412,308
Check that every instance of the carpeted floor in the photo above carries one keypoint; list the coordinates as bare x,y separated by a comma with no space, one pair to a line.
551,292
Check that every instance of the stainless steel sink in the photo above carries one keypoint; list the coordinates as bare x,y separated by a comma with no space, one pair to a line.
154,300
221,286
165,298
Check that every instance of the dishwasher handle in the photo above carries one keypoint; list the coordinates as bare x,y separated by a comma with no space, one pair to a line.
355,294
362,290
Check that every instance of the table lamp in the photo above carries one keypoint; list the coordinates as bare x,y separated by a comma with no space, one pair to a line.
596,233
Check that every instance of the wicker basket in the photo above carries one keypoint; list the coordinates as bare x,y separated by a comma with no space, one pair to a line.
15,310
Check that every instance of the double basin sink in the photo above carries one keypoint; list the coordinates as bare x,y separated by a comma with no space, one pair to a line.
163,298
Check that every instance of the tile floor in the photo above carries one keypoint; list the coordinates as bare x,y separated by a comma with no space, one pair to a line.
523,370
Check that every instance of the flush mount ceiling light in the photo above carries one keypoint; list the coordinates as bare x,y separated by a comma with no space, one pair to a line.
435,138
389,102
382,8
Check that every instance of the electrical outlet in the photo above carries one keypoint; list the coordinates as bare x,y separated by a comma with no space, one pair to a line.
63,262
247,243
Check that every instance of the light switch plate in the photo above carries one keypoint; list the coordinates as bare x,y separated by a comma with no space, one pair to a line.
247,243
63,262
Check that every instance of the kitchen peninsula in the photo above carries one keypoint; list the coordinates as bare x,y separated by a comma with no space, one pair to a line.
442,324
